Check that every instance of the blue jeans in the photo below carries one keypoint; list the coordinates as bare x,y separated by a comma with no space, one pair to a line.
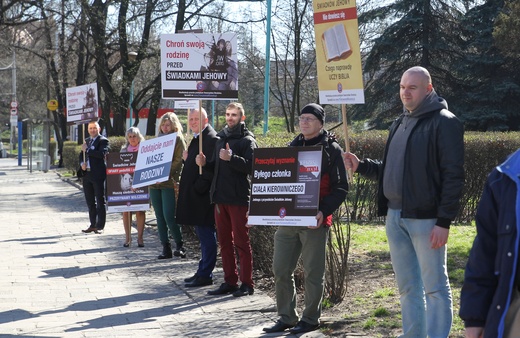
208,248
422,277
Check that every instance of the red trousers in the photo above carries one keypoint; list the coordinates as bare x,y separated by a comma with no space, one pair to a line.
232,235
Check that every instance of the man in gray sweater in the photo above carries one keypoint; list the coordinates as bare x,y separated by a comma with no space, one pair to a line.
420,183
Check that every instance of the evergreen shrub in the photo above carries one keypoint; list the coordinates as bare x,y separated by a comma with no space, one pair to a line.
483,151
71,151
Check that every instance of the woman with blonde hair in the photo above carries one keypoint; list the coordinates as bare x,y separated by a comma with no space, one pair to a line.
162,194
133,137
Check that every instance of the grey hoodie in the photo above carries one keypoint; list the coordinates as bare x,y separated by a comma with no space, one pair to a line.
394,166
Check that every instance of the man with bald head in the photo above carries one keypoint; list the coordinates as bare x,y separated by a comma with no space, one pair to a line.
193,205
420,180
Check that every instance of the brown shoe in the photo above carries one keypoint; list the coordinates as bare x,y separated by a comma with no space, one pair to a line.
89,230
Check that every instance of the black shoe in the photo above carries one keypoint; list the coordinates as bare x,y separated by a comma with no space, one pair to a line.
302,327
199,281
98,231
89,230
190,279
166,252
244,290
278,327
164,256
180,252
223,289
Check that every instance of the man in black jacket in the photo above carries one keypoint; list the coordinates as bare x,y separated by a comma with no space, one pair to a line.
193,205
420,183
94,172
291,242
230,191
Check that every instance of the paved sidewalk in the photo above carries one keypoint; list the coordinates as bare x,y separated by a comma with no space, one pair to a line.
56,281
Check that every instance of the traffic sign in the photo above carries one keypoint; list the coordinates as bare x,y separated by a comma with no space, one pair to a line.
14,104
14,111
52,105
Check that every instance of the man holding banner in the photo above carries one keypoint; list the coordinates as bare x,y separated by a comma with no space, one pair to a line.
291,242
194,206
93,170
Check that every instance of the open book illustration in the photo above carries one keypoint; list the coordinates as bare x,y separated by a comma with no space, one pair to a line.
335,43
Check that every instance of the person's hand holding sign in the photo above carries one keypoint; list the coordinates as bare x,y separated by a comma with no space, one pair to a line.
247,224
319,221
225,154
200,160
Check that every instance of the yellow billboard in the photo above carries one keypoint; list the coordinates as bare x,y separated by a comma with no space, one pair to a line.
338,56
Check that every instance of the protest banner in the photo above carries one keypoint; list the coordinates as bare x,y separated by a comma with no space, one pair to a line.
199,66
121,196
285,186
338,55
154,160
82,103
186,104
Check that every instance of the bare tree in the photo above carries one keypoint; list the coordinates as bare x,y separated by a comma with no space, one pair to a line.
294,62
132,31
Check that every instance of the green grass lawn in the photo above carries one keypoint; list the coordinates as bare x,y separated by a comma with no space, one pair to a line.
369,249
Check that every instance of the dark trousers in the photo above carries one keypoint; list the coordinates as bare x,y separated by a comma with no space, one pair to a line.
208,248
94,190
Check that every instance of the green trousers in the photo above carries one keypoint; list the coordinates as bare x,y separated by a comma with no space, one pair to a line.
289,243
163,201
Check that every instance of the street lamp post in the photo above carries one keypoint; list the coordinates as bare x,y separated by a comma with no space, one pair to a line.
267,67
267,60
130,103
131,57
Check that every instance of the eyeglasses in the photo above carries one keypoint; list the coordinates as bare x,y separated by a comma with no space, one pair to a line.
132,136
307,119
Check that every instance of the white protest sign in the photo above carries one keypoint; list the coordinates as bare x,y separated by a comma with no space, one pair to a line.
186,104
154,160
82,103
199,66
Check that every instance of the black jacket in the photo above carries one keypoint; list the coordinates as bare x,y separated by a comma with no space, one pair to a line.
493,260
333,185
194,206
231,181
95,154
433,170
